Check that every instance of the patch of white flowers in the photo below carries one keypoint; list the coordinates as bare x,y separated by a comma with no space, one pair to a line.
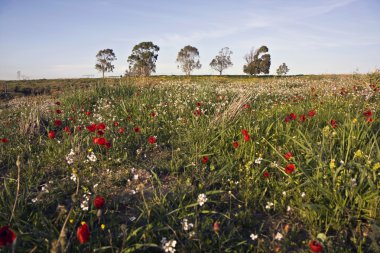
70,157
168,246
202,199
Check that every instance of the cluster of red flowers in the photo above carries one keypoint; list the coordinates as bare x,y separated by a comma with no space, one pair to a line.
246,135
290,168
302,117
368,115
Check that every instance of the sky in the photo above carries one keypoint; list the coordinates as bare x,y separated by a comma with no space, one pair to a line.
60,38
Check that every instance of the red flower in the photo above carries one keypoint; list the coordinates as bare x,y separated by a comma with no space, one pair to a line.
287,119
91,128
246,106
67,129
83,233
367,114
121,130
58,103
197,112
7,236
303,118
153,114
266,174
4,140
115,124
152,139
99,202
246,137
79,128
288,156
235,144
333,123
101,126
100,141
88,113
369,119
137,129
216,227
292,116
58,111
57,122
100,132
290,168
198,104
51,134
108,144
315,246
311,113
244,132
204,159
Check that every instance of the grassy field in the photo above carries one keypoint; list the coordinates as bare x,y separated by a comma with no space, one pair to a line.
199,164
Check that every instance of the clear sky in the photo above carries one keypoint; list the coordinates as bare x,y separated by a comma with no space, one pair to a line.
60,38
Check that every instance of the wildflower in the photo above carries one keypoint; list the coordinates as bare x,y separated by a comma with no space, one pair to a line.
303,118
137,130
288,156
292,116
100,141
186,225
115,124
91,128
369,120
202,199
204,159
376,166
303,194
354,120
332,164
152,139
290,168
216,227
4,140
246,137
311,113
101,126
258,160
58,111
278,236
57,103
235,144
170,246
100,132
266,174
99,202
358,154
88,113
315,246
244,132
7,236
51,134
367,114
57,122
253,237
91,157
121,130
333,123
102,226
269,205
83,233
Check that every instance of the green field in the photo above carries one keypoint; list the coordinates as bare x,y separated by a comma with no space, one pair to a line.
211,164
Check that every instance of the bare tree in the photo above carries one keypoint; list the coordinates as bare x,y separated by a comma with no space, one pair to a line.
104,58
188,59
222,60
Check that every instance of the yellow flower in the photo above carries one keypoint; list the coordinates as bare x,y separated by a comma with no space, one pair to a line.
89,150
74,170
102,226
358,154
376,166
326,131
83,222
71,220
354,120
332,164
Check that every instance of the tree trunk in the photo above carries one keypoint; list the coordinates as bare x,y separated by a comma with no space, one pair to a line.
220,72
103,74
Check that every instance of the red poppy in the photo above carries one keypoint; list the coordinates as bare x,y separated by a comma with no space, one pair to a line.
7,236
369,119
99,202
58,103
67,129
266,174
311,113
204,159
58,111
290,168
100,132
57,122
88,113
235,144
244,131
121,130
137,129
153,114
288,156
101,126
91,128
115,124
287,119
333,123
51,134
152,139
216,227
247,137
83,233
79,128
315,246
100,141
246,106
4,140
367,113
107,144
198,104
197,112
303,118
292,116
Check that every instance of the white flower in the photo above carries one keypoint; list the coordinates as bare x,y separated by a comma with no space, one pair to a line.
258,160
288,209
253,236
284,193
185,225
202,199
92,157
269,205
170,246
73,177
70,157
303,194
278,236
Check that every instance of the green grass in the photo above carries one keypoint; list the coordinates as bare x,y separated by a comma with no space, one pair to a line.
332,196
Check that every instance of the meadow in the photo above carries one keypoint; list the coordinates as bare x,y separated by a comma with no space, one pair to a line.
193,164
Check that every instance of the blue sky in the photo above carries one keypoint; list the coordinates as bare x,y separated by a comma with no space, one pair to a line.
60,38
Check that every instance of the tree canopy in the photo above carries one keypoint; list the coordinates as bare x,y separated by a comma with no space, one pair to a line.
188,59
282,69
257,61
104,58
142,61
222,61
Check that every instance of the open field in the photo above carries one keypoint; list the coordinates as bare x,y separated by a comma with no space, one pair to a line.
211,164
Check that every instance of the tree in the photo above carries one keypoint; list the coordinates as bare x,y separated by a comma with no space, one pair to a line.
188,59
257,61
142,61
104,58
282,69
222,60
